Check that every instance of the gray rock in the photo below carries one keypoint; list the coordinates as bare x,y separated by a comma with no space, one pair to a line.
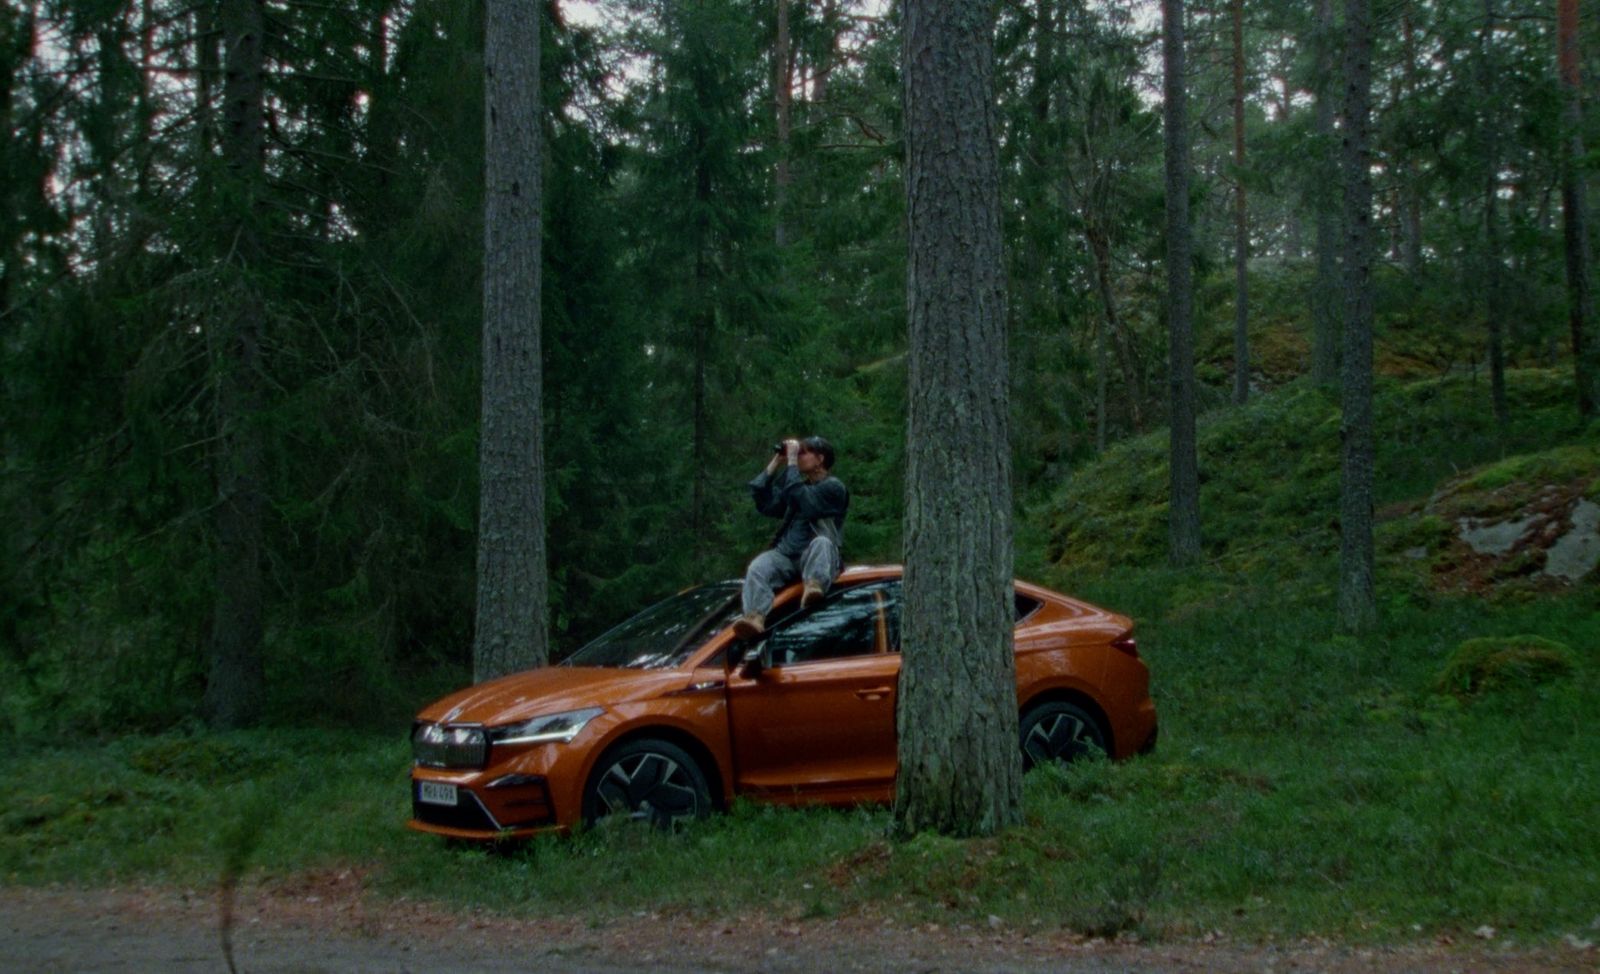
1576,553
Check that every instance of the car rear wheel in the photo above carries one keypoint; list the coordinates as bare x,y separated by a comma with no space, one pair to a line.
1058,732
647,780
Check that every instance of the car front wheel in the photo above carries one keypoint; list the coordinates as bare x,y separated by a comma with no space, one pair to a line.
1058,732
647,780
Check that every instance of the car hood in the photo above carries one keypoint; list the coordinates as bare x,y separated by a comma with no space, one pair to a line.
550,690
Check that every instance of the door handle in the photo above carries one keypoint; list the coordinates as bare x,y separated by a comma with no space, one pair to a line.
874,693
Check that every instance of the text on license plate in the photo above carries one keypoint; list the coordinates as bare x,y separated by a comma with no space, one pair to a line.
436,793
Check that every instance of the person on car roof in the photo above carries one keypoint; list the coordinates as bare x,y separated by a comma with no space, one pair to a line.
798,486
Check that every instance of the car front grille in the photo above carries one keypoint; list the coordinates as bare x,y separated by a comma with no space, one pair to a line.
530,807
466,813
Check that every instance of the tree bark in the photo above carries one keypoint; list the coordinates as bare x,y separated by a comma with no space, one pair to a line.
1494,302
1357,604
1184,510
1241,222
234,689
702,319
512,614
207,62
783,74
1100,265
960,765
1410,191
1574,216
1325,287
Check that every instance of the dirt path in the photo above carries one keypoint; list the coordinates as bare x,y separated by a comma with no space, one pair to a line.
326,924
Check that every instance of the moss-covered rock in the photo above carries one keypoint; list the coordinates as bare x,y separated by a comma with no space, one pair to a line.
1494,663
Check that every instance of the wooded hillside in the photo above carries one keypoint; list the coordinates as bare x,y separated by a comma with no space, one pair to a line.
241,302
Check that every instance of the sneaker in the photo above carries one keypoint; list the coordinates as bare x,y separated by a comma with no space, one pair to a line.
811,597
750,625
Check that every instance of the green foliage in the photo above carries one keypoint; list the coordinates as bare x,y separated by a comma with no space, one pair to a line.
1515,482
1270,472
1492,663
662,276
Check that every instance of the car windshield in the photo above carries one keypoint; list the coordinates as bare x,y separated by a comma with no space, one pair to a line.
665,634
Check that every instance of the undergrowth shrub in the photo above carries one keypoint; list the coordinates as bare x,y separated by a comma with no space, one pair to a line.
1493,663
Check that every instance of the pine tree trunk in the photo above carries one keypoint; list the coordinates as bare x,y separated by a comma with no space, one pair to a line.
143,136
1044,56
1184,513
208,65
512,627
1241,222
1574,216
1294,233
783,73
702,319
1100,387
960,766
1325,288
1100,265
1492,269
234,689
1357,605
1410,192
824,67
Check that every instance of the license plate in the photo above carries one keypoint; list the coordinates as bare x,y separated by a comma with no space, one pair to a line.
436,793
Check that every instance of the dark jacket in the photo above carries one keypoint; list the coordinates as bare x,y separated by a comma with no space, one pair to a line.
807,509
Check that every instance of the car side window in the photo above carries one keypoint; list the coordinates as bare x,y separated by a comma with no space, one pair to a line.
846,625
1025,606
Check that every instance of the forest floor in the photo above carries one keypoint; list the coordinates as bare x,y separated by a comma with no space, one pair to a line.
327,922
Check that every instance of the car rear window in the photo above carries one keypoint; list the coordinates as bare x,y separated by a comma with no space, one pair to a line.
1026,606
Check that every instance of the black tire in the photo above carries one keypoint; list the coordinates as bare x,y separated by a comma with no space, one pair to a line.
1058,732
647,780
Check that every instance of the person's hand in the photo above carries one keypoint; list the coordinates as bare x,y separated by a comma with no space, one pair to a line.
791,449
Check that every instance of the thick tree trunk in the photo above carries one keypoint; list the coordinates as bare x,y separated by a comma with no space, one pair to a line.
960,765
1357,605
783,74
234,689
1574,216
1184,510
1325,288
1241,222
512,614
1492,270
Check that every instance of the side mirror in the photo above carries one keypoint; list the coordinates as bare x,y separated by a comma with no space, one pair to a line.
756,661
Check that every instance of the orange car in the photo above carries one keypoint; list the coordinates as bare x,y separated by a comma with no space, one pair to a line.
650,721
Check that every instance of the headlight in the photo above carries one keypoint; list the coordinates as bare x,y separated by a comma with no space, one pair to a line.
552,727
446,746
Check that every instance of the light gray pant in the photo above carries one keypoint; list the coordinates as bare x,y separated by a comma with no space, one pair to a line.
771,571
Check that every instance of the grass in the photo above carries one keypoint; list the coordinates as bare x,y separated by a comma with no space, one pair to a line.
1306,784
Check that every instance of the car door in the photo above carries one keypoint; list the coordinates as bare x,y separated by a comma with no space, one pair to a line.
817,724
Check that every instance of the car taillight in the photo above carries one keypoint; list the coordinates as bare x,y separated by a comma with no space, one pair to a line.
1127,644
